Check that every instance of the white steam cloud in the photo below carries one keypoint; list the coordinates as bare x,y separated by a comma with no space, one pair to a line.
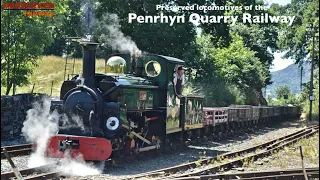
107,29
77,167
39,127
88,18
113,37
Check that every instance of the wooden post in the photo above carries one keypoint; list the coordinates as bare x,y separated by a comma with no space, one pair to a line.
302,163
14,168
51,88
32,88
9,87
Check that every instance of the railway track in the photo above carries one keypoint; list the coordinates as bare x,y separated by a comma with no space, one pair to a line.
228,160
18,150
290,174
41,172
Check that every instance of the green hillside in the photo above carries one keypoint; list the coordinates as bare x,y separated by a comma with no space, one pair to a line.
289,76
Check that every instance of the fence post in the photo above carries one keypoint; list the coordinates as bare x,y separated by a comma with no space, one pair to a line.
32,88
51,88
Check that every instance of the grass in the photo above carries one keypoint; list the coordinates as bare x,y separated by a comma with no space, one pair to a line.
287,158
290,157
51,69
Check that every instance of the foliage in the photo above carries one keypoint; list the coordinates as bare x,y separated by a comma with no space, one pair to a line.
295,40
260,38
305,97
69,25
154,38
282,91
213,86
280,97
23,39
232,67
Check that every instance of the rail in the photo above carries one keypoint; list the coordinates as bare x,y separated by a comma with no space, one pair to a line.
252,152
18,150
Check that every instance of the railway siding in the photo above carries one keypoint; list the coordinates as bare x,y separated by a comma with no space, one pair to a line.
229,160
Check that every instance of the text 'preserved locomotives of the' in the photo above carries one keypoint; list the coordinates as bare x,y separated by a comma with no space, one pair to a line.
136,106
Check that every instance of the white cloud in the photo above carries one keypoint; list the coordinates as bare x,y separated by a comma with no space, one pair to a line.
280,63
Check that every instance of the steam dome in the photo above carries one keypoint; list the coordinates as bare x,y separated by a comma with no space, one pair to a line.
116,65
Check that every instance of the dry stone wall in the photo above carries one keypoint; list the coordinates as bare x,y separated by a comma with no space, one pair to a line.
13,113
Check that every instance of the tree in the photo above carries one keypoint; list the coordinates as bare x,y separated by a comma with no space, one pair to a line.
270,100
23,39
295,40
234,70
69,25
282,91
261,38
157,38
304,97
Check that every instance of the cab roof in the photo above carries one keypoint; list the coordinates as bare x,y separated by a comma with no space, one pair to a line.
168,58
172,59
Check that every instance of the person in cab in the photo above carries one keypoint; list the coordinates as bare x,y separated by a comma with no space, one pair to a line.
179,81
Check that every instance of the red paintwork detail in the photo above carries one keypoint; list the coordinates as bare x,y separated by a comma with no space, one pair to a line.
152,118
213,116
91,148
208,117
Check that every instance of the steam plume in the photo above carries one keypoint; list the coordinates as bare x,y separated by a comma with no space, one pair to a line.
39,126
113,37
88,18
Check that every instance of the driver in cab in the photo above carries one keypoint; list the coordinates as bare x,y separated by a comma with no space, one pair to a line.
179,80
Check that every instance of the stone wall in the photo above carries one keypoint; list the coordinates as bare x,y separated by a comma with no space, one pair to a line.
13,113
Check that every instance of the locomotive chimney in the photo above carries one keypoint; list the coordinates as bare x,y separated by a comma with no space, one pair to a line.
89,63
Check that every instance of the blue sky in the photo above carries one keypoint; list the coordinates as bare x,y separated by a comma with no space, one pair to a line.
278,62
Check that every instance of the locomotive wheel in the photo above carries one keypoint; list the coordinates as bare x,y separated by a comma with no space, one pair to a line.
198,136
159,144
220,136
120,153
231,132
206,131
167,147
189,135
158,151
